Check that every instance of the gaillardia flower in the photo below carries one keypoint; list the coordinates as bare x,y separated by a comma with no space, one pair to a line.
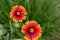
18,13
32,30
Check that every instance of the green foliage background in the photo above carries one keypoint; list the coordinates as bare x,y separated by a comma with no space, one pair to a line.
45,12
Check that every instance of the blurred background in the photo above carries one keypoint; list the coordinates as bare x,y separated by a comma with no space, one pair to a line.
45,12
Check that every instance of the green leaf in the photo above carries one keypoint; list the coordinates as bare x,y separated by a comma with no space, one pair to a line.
1,32
17,39
16,25
7,36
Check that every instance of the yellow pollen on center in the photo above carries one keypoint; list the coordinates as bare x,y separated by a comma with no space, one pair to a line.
18,13
31,30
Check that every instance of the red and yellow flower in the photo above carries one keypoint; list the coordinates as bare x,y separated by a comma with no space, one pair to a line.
18,13
32,30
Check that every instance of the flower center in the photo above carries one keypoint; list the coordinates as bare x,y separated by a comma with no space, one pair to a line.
31,30
18,13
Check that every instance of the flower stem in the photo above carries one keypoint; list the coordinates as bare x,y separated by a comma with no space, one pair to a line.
10,30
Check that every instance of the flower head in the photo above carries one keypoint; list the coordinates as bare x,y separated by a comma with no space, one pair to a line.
32,30
18,13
